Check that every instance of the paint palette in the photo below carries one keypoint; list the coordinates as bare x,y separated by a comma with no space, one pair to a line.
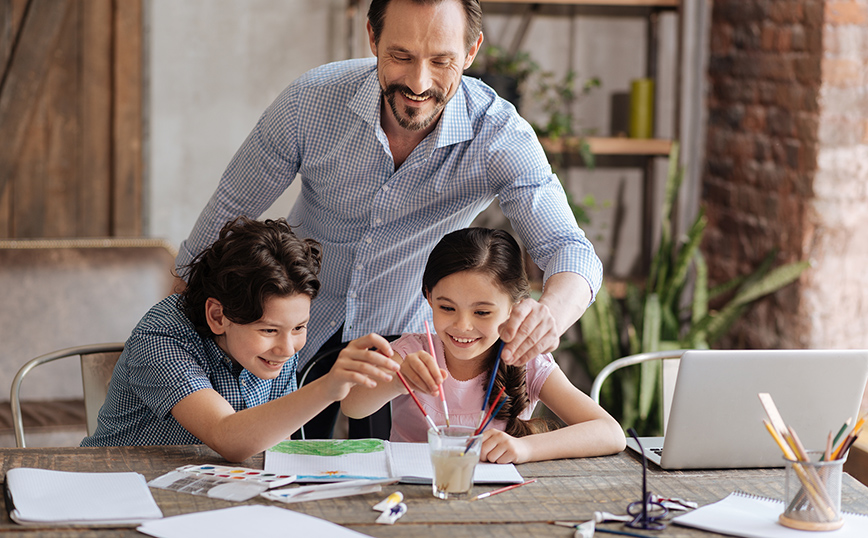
269,479
221,482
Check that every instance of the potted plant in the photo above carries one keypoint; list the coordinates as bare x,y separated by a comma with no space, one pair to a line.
670,311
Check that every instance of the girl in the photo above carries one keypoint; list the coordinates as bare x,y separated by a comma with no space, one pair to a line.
216,364
473,278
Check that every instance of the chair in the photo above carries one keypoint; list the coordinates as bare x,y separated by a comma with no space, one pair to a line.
670,372
305,372
97,364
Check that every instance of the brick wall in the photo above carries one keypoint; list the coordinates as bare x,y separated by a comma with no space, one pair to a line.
835,294
765,80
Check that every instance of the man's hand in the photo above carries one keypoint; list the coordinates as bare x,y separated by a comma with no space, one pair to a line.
530,331
535,327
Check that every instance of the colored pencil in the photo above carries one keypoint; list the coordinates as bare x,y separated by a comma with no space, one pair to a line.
841,431
496,411
501,490
428,418
490,383
442,396
484,418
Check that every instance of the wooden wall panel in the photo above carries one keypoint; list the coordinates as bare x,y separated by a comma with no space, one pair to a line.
70,109
127,172
94,209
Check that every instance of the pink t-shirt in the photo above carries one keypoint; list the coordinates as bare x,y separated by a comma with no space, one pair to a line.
464,398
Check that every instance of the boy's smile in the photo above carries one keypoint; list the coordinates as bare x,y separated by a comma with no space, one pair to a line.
264,346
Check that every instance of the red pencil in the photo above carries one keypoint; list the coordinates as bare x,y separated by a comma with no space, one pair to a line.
430,421
501,490
490,409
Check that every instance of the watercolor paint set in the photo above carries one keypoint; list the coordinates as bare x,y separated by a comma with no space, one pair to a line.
221,481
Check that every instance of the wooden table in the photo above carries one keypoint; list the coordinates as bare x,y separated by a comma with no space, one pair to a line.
565,490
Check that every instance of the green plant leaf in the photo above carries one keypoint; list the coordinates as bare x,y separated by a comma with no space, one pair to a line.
683,260
649,371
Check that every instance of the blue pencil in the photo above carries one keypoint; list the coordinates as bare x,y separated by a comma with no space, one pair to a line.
496,411
490,383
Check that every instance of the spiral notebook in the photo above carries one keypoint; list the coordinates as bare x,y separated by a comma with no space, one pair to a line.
750,516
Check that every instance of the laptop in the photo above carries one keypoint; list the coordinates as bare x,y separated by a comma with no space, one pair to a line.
715,421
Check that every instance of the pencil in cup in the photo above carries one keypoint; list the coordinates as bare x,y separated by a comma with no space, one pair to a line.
490,383
418,404
813,489
811,484
442,395
491,414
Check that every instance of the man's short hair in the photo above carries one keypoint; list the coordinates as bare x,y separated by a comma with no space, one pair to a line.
472,17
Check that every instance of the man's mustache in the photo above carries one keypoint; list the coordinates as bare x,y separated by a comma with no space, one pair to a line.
432,92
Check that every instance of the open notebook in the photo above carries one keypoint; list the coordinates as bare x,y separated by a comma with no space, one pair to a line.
715,420
372,459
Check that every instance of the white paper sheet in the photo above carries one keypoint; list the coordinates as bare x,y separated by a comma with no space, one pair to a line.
248,520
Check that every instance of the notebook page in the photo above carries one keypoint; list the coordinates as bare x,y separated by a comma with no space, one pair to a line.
329,460
749,516
44,496
412,463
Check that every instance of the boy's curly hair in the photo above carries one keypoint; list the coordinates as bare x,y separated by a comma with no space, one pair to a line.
250,262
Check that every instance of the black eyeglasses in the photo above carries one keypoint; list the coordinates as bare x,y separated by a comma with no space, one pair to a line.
647,514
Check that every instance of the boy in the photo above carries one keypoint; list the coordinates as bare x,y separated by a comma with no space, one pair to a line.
216,364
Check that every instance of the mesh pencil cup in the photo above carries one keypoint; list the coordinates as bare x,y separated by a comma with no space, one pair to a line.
813,494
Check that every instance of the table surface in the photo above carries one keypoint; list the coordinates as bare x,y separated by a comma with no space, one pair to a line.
566,490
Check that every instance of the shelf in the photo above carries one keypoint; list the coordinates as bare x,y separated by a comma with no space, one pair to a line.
611,145
634,3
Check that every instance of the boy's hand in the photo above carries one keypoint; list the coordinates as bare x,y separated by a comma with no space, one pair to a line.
422,373
365,361
500,447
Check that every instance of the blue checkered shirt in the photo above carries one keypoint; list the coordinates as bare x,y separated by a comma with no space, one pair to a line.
377,225
164,361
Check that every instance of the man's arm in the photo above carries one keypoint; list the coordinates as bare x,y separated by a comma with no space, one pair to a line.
535,327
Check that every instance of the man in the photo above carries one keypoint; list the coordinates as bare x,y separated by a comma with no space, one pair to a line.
393,155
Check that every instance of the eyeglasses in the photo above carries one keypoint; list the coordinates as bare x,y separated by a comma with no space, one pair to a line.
647,513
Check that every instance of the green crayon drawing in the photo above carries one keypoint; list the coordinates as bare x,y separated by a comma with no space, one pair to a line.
332,447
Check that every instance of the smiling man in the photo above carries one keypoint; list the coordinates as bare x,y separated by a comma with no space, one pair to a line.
393,154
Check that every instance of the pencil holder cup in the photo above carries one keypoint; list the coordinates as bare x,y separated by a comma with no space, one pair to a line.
454,454
813,494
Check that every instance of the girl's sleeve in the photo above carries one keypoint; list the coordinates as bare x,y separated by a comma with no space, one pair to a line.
538,371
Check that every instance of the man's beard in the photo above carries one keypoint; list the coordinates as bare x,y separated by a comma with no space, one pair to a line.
410,119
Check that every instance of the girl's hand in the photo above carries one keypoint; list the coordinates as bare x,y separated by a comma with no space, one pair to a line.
365,361
422,373
500,447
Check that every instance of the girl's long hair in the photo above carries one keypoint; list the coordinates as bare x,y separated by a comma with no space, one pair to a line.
496,254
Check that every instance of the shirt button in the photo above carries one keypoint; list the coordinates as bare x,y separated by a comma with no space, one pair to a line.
359,267
378,220
385,188
243,383
368,240
351,295
332,323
